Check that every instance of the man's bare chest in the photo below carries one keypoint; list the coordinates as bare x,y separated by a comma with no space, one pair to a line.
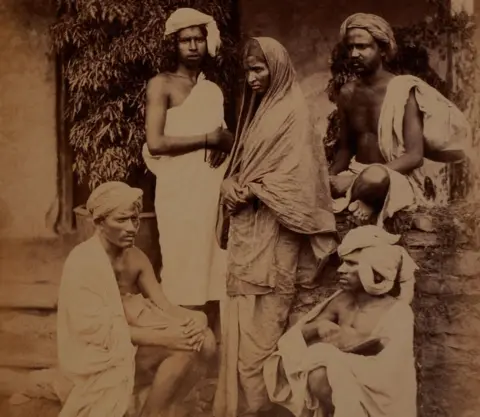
366,318
363,112
127,279
179,90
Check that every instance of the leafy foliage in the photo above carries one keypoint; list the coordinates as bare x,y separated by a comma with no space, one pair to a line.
111,49
435,33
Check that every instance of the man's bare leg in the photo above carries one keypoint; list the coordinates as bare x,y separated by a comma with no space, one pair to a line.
342,184
172,381
169,375
369,191
319,387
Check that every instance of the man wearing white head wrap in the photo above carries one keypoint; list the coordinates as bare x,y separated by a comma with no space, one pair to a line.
352,355
187,144
373,174
381,263
112,196
112,313
185,17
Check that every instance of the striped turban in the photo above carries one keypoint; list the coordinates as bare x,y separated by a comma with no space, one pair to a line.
378,27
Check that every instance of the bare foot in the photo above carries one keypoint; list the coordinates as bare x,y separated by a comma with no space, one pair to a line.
362,213
423,223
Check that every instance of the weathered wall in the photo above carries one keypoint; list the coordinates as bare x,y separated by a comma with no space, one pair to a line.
448,333
309,30
27,120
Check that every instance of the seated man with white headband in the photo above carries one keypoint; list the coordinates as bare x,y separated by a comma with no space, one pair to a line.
353,353
112,310
186,147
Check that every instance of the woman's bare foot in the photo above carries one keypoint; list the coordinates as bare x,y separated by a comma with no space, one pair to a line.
362,213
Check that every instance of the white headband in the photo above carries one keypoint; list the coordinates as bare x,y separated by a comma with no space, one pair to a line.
185,17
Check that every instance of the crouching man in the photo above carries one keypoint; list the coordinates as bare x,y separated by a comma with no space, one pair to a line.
113,315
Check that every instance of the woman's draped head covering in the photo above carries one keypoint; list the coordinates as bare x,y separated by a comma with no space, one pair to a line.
186,17
277,153
378,27
280,66
379,256
111,196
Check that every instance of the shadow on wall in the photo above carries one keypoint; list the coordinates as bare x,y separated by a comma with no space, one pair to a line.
32,16
30,12
6,217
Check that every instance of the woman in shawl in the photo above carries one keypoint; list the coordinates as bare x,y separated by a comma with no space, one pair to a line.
276,222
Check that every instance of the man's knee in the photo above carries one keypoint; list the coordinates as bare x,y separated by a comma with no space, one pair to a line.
372,185
209,347
184,357
318,384
375,176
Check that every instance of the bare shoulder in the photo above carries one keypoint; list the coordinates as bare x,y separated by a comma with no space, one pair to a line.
341,301
158,85
136,259
346,93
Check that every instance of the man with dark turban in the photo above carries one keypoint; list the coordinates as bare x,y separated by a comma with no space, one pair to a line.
114,317
379,168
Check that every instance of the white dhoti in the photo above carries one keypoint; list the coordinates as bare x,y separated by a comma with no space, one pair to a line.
186,203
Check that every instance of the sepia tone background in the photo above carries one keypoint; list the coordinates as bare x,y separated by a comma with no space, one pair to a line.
32,195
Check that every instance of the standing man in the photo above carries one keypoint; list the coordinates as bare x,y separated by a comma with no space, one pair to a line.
376,175
282,229
186,147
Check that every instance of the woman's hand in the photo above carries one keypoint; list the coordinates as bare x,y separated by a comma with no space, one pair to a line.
229,184
234,197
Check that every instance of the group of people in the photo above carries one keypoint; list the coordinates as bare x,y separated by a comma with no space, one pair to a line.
249,220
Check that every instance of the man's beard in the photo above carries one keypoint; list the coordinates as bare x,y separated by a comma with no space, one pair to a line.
365,70
193,65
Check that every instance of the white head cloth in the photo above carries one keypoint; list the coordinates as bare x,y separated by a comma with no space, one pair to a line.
186,17
376,251
111,196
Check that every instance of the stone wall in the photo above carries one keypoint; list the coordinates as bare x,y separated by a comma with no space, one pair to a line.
447,309
28,177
